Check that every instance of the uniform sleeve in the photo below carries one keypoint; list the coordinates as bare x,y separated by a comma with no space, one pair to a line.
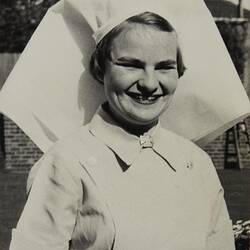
220,236
48,218
220,232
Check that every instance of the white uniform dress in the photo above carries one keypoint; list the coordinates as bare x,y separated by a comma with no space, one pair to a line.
103,188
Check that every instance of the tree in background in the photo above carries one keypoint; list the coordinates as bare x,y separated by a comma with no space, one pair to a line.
18,20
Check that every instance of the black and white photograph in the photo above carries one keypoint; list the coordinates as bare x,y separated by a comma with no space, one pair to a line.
124,125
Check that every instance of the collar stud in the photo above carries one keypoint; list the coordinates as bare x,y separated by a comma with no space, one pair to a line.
146,141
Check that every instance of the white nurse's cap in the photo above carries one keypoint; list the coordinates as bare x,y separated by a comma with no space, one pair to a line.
50,92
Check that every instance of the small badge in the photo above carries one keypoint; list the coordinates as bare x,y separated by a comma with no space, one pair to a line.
146,141
190,165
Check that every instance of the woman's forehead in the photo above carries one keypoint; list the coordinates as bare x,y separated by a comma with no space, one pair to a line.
143,31
140,39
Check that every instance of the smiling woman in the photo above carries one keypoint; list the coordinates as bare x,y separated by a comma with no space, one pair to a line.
139,80
123,181
136,88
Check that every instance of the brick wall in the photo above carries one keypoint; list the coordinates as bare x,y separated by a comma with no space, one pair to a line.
236,35
216,150
21,153
18,20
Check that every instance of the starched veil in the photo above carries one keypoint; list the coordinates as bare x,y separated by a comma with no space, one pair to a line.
50,92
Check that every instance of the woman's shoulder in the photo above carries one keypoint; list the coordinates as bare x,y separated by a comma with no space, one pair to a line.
71,141
64,156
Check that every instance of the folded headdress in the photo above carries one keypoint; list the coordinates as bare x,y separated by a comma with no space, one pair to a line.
50,92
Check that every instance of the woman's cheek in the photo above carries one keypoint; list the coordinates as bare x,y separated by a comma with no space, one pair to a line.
169,82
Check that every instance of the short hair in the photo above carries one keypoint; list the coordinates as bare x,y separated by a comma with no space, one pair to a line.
103,48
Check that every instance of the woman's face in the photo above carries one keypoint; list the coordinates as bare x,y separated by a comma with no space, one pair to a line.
141,77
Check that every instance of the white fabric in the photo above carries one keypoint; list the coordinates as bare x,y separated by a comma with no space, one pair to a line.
81,192
50,92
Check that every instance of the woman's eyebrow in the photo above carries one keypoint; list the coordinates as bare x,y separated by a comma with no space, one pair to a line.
140,64
166,63
130,60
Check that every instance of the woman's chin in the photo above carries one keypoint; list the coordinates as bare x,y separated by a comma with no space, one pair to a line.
141,121
143,114
143,117
130,116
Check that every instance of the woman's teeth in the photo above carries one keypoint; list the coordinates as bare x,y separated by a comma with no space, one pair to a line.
143,99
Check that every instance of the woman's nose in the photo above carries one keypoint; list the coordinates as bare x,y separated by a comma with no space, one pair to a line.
148,83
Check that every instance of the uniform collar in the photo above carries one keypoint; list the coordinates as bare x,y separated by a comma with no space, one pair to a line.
125,145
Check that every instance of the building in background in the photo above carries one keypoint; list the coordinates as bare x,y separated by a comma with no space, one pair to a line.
18,20
232,20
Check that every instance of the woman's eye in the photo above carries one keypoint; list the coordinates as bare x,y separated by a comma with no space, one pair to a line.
165,67
129,65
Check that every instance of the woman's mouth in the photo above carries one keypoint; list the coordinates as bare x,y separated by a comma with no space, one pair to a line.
144,99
